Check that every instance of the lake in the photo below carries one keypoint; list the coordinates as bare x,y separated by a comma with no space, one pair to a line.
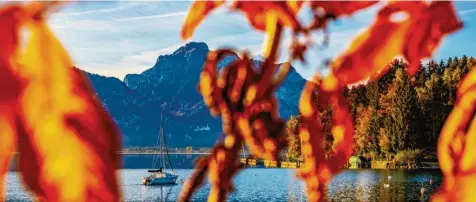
259,184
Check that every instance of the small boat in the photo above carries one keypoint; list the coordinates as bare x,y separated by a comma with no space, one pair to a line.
161,176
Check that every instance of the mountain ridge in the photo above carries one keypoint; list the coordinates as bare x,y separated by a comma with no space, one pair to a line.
169,87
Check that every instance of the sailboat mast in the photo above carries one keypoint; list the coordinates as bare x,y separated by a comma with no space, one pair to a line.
167,151
161,143
161,148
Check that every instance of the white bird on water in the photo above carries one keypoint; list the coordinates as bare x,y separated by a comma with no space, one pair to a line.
422,190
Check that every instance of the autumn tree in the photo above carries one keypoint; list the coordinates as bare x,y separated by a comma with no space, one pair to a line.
294,142
384,143
361,137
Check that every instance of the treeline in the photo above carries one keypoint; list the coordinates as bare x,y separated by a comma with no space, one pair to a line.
395,115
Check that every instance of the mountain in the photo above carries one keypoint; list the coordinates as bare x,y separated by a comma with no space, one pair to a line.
170,88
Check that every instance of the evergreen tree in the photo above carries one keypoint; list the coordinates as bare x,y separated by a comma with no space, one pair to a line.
463,65
441,68
392,134
356,97
471,63
372,93
374,132
424,101
455,62
422,75
449,63
436,106
404,112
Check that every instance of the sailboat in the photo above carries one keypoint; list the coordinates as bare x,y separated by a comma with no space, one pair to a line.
160,176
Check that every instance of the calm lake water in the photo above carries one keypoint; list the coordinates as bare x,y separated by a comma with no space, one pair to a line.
260,184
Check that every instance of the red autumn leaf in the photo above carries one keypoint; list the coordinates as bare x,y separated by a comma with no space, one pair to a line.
467,83
340,8
244,99
10,86
427,31
200,10
457,146
401,28
7,142
65,134
318,169
257,12
10,23
325,10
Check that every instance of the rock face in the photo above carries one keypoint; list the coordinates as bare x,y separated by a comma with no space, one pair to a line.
170,88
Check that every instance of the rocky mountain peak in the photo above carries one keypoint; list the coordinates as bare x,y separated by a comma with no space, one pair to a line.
170,87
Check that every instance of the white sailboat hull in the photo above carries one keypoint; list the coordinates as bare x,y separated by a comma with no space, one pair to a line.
161,179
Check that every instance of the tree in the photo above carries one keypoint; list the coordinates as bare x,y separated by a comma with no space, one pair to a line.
372,93
403,112
361,137
463,65
294,142
356,97
451,78
374,132
441,68
422,75
384,143
436,107
449,63
326,120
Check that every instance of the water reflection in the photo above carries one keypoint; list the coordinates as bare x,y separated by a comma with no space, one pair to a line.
365,183
370,185
163,192
267,184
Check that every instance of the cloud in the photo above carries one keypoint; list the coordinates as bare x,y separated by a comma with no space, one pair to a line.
116,38
465,12
183,13
99,11
135,63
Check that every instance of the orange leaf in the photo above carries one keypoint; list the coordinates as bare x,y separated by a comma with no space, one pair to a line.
318,169
257,12
411,29
198,11
325,10
9,38
7,142
427,31
340,8
10,86
456,146
66,136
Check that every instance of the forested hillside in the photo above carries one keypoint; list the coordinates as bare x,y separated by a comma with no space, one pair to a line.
396,115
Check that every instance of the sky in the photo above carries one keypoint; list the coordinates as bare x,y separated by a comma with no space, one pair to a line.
116,38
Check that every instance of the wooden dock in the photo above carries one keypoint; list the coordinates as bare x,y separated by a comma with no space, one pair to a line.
264,163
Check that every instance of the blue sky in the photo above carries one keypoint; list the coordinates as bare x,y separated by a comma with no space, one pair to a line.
116,38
